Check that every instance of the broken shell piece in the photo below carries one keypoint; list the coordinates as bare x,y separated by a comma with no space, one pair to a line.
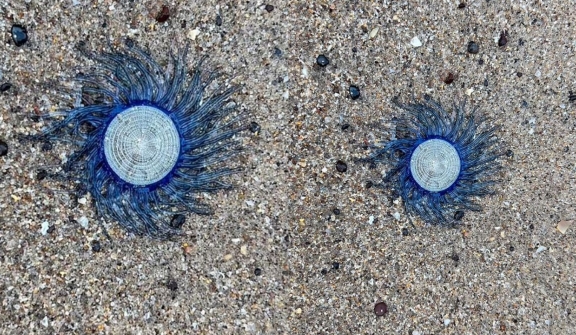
564,225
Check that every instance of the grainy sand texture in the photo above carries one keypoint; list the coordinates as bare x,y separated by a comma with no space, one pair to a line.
299,247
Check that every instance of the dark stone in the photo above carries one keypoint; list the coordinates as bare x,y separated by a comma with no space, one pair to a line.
455,257
277,52
324,271
458,215
3,148
335,265
41,174
322,60
257,271
254,127
380,309
354,49
269,8
19,35
5,87
473,47
345,126
354,92
341,166
163,15
509,153
449,79
369,184
503,39
511,248
46,146
519,74
531,226
336,211
405,231
462,5
177,221
172,285
51,229
218,20
480,61
96,247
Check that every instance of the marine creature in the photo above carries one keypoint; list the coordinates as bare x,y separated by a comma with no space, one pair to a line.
149,141
441,161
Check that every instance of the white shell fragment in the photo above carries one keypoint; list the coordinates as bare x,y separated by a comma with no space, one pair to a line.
142,145
415,41
435,165
564,225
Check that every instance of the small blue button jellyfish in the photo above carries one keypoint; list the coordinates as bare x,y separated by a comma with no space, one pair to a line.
152,140
441,162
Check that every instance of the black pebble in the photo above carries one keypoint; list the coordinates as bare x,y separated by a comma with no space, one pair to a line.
345,126
462,5
473,47
3,148
5,87
503,39
163,15
509,153
404,231
324,271
531,226
41,174
19,35
519,74
254,127
218,20
354,92
511,248
277,52
369,184
341,166
177,221
51,229
322,60
269,8
336,211
257,271
458,215
335,265
380,309
172,285
455,257
46,146
96,247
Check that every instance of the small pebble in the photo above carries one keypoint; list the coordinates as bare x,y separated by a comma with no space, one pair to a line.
503,39
96,247
458,215
509,153
341,166
218,20
380,309
257,271
369,184
172,285
462,5
473,48
354,92
322,60
5,87
404,231
3,148
41,174
177,221
336,211
415,42
345,126
46,146
269,8
511,248
324,271
163,15
335,265
19,35
254,127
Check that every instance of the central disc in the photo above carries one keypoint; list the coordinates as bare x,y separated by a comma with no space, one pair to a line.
142,145
435,165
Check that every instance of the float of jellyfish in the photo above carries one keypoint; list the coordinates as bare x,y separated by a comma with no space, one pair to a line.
151,140
441,162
